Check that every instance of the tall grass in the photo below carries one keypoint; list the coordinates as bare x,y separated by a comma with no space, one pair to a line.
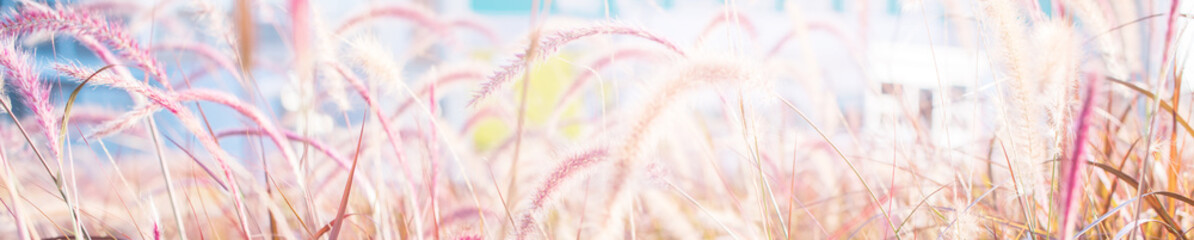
193,121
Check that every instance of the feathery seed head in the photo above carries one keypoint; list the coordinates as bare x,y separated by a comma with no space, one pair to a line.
567,169
375,59
25,80
550,44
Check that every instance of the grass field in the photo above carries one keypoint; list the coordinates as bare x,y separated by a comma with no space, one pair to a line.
399,120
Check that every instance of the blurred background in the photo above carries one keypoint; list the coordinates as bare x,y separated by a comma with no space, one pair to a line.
880,61
867,54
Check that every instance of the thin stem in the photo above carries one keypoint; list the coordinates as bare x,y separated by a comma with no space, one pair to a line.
844,159
157,147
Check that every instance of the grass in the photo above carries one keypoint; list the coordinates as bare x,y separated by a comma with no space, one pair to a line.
397,122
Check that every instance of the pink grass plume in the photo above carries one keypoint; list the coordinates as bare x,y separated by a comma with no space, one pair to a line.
83,25
1071,178
566,170
31,90
551,44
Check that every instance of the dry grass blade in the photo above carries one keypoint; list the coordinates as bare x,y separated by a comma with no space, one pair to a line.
1119,174
1164,104
338,221
1149,199
917,207
62,137
70,103
874,199
1149,195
